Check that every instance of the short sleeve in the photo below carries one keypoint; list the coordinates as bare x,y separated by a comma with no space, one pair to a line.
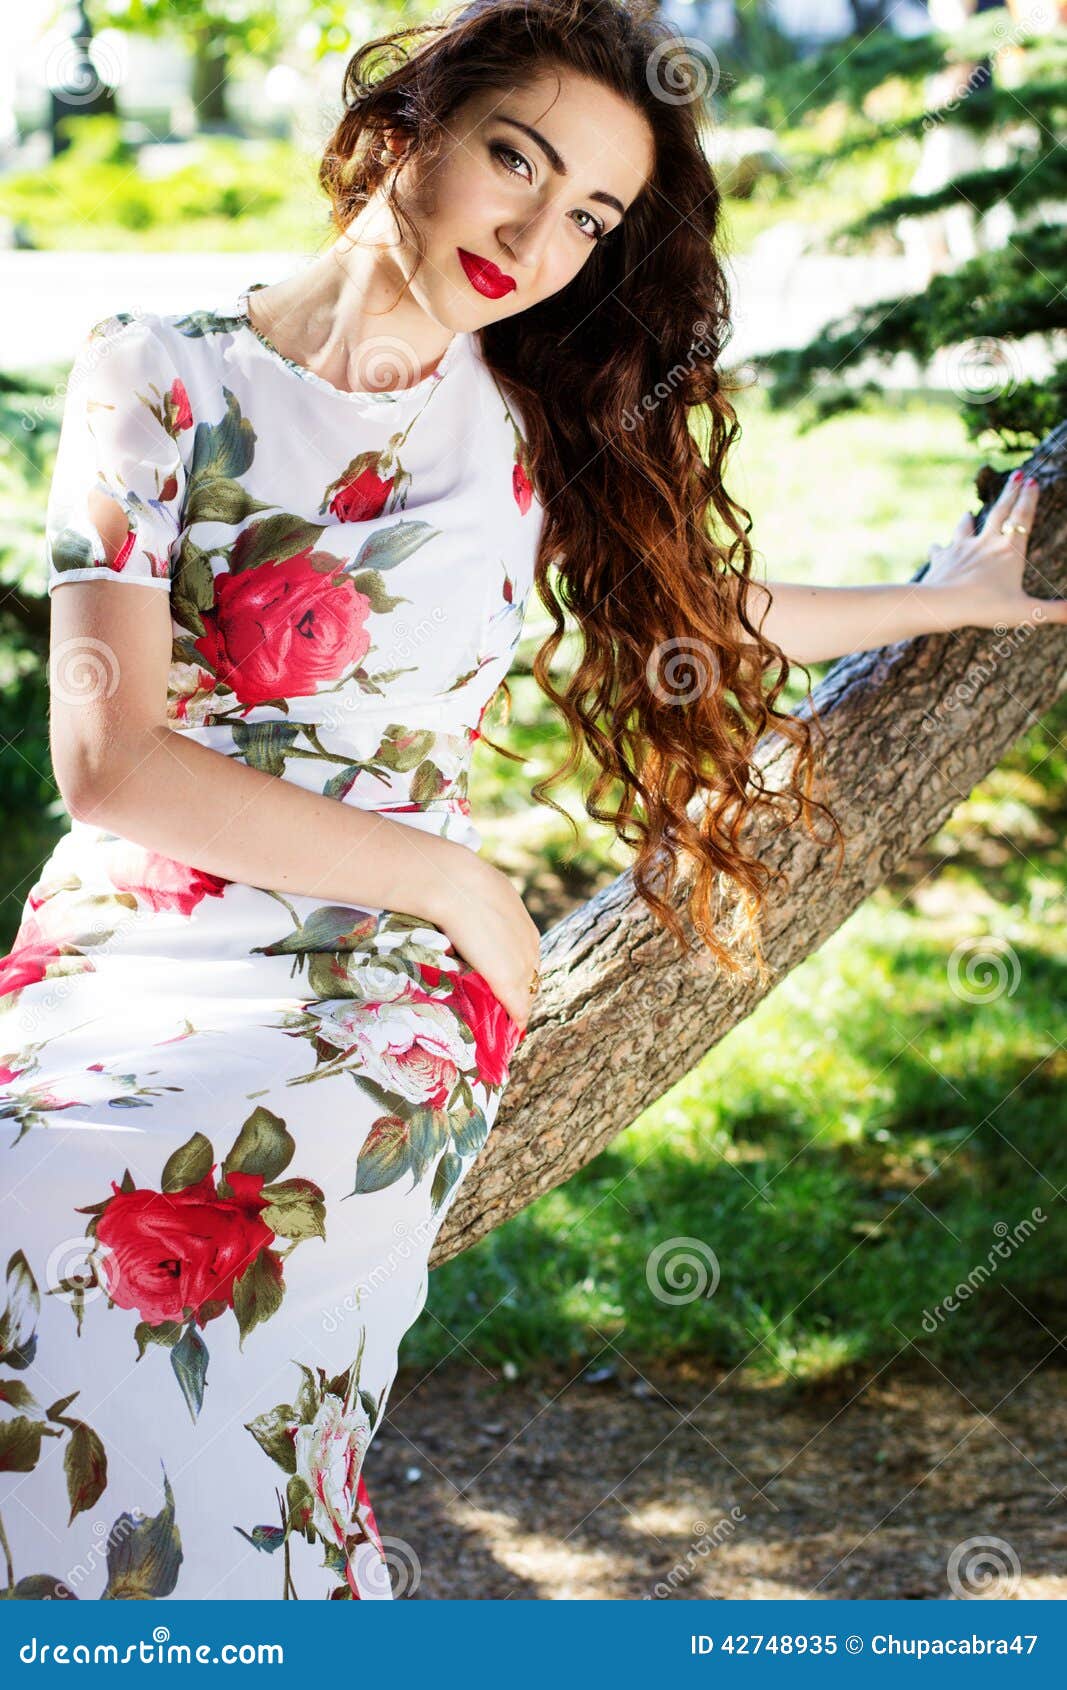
126,435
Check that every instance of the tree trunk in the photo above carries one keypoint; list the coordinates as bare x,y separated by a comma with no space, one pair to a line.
209,80
867,15
911,729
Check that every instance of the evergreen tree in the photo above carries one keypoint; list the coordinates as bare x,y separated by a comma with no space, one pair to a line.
1005,88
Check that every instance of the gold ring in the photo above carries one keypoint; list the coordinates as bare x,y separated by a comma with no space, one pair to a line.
535,980
1014,528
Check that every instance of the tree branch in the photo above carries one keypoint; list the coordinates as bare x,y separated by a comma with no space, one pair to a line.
911,729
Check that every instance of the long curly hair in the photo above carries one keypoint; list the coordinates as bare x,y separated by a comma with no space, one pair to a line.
628,422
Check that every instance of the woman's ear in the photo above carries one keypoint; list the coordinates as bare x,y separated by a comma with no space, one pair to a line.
395,145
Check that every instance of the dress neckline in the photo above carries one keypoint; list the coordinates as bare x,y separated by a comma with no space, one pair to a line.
362,397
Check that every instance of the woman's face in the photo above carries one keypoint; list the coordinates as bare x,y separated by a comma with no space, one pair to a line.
526,183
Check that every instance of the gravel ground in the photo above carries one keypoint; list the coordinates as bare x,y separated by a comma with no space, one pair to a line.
622,1486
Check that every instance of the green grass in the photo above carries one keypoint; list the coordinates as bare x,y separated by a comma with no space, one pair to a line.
847,1153
230,195
848,1150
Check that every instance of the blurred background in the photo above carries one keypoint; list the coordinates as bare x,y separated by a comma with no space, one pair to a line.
848,1150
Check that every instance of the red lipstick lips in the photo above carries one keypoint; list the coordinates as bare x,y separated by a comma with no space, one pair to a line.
485,276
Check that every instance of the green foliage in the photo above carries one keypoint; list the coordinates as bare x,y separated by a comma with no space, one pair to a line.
34,814
1033,176
238,194
761,46
985,110
848,1153
1000,296
255,28
838,107
859,79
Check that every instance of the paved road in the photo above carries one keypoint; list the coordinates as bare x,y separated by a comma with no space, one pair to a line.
781,295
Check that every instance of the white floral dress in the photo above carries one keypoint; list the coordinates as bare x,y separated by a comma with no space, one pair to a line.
236,1118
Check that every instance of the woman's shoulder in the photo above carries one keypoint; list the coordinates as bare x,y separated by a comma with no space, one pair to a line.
123,353
153,338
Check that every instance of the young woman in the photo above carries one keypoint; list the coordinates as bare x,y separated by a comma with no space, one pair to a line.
259,1013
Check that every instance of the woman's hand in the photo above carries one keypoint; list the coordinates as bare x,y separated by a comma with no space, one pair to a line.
981,575
490,927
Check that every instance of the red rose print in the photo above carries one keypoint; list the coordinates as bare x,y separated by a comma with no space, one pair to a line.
159,881
495,1033
278,629
118,562
30,955
181,409
204,684
361,499
477,732
522,487
174,1250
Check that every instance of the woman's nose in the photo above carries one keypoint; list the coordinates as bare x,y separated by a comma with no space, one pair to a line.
526,241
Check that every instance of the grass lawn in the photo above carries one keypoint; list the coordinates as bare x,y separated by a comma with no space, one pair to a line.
870,1135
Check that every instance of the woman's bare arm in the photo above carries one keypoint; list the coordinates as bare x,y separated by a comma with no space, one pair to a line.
973,582
169,793
120,765
815,624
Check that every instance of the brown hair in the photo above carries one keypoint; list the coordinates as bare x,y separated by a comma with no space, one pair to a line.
605,373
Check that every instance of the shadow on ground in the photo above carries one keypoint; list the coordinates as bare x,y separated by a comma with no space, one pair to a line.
674,1487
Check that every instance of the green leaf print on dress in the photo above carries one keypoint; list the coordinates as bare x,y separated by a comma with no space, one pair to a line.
143,1555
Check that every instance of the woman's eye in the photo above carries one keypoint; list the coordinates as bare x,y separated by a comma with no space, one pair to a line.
595,230
501,152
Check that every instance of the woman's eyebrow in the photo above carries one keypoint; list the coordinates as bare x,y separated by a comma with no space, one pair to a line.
556,162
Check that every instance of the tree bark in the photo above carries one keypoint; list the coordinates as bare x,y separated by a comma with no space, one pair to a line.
910,730
209,84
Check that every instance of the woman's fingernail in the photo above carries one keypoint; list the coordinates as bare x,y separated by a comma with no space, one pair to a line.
1016,475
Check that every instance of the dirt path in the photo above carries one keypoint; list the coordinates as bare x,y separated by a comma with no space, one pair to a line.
669,1487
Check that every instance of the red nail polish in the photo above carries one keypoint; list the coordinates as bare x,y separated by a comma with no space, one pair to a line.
1016,475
